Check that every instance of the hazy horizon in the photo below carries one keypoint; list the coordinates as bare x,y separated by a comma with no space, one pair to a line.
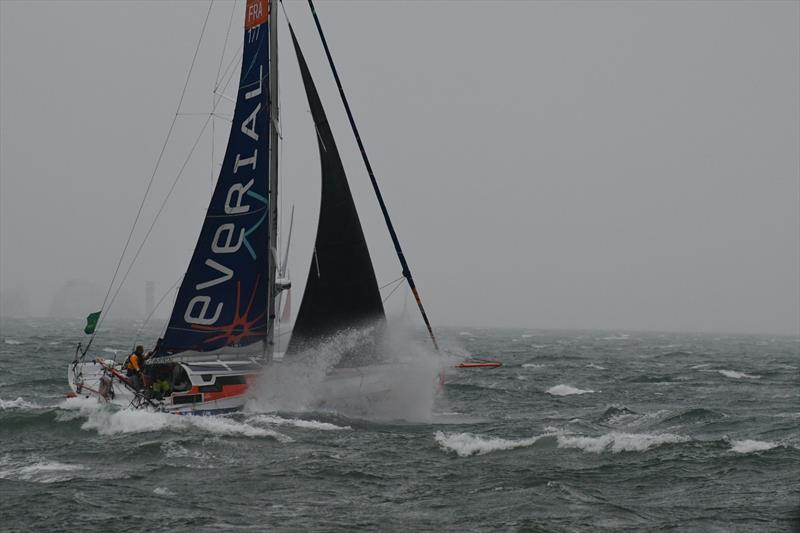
579,166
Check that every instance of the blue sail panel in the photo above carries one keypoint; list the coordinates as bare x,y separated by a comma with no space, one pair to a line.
222,301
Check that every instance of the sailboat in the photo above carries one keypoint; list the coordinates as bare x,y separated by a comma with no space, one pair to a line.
221,333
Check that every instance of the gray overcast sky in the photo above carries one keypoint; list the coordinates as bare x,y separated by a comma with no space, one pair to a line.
630,165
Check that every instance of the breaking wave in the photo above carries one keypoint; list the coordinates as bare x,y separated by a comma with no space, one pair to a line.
750,446
617,442
620,337
13,342
466,444
566,390
19,403
296,422
107,420
737,375
38,470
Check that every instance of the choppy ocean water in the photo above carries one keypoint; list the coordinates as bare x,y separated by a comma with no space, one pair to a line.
579,431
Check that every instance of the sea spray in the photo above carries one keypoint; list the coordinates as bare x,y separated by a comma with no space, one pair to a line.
292,383
400,383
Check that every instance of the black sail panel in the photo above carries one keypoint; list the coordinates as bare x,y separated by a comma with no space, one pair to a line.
341,290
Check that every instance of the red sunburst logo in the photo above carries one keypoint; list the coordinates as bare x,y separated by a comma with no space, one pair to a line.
241,326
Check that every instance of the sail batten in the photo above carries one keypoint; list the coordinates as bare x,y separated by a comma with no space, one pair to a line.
223,300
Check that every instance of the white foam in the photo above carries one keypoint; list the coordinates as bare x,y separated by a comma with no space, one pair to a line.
531,365
19,403
465,334
566,390
466,444
224,426
163,491
750,446
620,337
12,341
526,335
108,421
704,365
39,471
80,403
596,367
174,449
297,422
111,350
737,375
617,442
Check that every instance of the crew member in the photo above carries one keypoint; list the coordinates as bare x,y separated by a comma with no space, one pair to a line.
134,365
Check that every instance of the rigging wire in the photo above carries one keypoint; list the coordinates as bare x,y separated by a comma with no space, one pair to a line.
166,198
391,283
153,311
152,177
216,82
160,210
399,284
169,193
234,61
225,46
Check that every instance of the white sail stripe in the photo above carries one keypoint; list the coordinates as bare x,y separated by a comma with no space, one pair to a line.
239,215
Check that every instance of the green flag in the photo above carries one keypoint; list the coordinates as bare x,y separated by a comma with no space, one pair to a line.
91,322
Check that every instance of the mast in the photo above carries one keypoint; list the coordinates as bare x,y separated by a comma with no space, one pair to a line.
274,113
384,210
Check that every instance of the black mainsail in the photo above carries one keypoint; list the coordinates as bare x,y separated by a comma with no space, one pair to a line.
341,291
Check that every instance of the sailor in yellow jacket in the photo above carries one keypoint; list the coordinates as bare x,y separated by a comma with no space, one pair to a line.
134,365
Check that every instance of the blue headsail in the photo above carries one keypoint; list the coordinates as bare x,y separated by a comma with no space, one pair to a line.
222,301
